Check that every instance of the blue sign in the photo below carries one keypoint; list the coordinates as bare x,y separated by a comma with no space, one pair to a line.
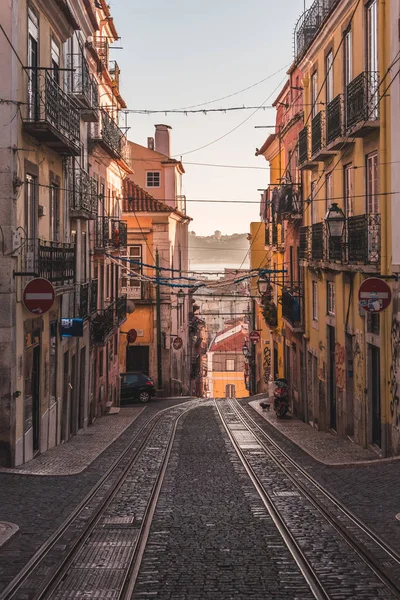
71,327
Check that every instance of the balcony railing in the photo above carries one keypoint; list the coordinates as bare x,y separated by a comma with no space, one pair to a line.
140,290
303,145
316,133
364,239
110,137
54,261
121,309
51,116
82,86
103,324
94,287
309,24
362,99
83,300
291,307
290,200
360,245
110,232
114,73
334,119
102,48
82,193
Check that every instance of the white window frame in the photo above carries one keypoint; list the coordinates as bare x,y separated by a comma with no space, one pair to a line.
231,361
331,298
314,94
348,58
348,181
133,287
329,77
150,178
314,297
314,204
328,190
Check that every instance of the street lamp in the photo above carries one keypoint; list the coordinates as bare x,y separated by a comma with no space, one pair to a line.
335,220
263,285
181,297
245,350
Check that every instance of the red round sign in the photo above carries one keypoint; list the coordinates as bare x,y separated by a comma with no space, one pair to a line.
38,296
255,337
132,335
177,343
374,295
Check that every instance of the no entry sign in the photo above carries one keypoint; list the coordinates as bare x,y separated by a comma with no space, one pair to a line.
374,295
254,337
177,343
38,296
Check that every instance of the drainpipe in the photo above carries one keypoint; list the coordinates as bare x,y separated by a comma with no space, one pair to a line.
385,233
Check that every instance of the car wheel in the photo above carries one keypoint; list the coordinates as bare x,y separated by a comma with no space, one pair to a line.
144,397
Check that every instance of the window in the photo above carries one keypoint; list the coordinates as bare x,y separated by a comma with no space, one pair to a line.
230,364
330,295
328,190
31,207
153,179
33,61
329,76
372,58
314,203
348,181
372,184
55,61
315,301
102,211
348,57
54,212
314,94
130,283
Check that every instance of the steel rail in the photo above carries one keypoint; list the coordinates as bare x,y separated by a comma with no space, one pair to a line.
302,562
11,590
357,546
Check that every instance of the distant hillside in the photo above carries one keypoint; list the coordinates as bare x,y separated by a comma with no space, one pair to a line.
218,248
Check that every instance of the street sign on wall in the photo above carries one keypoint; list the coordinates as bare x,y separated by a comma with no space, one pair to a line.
71,327
177,343
132,335
38,296
254,337
374,295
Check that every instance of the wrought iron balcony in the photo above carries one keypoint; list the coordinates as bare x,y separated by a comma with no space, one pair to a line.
121,309
83,300
303,145
94,287
290,201
102,325
317,241
54,261
334,120
309,24
110,232
362,103
292,307
51,116
83,86
364,239
316,134
82,193
110,137
304,243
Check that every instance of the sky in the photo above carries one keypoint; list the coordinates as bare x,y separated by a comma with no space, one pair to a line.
178,54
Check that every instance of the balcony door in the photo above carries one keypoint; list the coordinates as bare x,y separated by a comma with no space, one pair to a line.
332,377
372,59
33,63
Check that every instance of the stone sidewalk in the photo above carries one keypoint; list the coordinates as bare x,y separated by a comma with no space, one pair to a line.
326,448
79,452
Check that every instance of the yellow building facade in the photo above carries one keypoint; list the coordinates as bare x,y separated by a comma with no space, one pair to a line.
344,151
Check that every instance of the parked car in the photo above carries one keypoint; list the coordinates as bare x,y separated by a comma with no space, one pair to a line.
136,386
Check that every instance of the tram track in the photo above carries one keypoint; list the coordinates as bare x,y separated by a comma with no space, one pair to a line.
328,543
102,527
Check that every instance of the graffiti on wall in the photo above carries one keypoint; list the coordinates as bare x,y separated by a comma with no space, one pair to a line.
267,364
395,372
340,366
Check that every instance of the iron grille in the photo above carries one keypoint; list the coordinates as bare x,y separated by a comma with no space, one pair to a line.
317,241
309,24
303,247
82,190
316,133
362,99
364,239
83,304
303,145
103,324
111,133
291,306
334,119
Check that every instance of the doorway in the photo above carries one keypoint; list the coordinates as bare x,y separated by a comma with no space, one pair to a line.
137,359
230,391
81,407
276,366
72,412
375,393
332,377
32,393
65,397
349,386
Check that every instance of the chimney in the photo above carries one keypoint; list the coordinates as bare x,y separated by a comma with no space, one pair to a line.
150,143
162,139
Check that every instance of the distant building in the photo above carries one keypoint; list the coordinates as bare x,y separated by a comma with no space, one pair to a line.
226,364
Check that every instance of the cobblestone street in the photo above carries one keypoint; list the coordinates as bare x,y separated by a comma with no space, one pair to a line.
210,537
